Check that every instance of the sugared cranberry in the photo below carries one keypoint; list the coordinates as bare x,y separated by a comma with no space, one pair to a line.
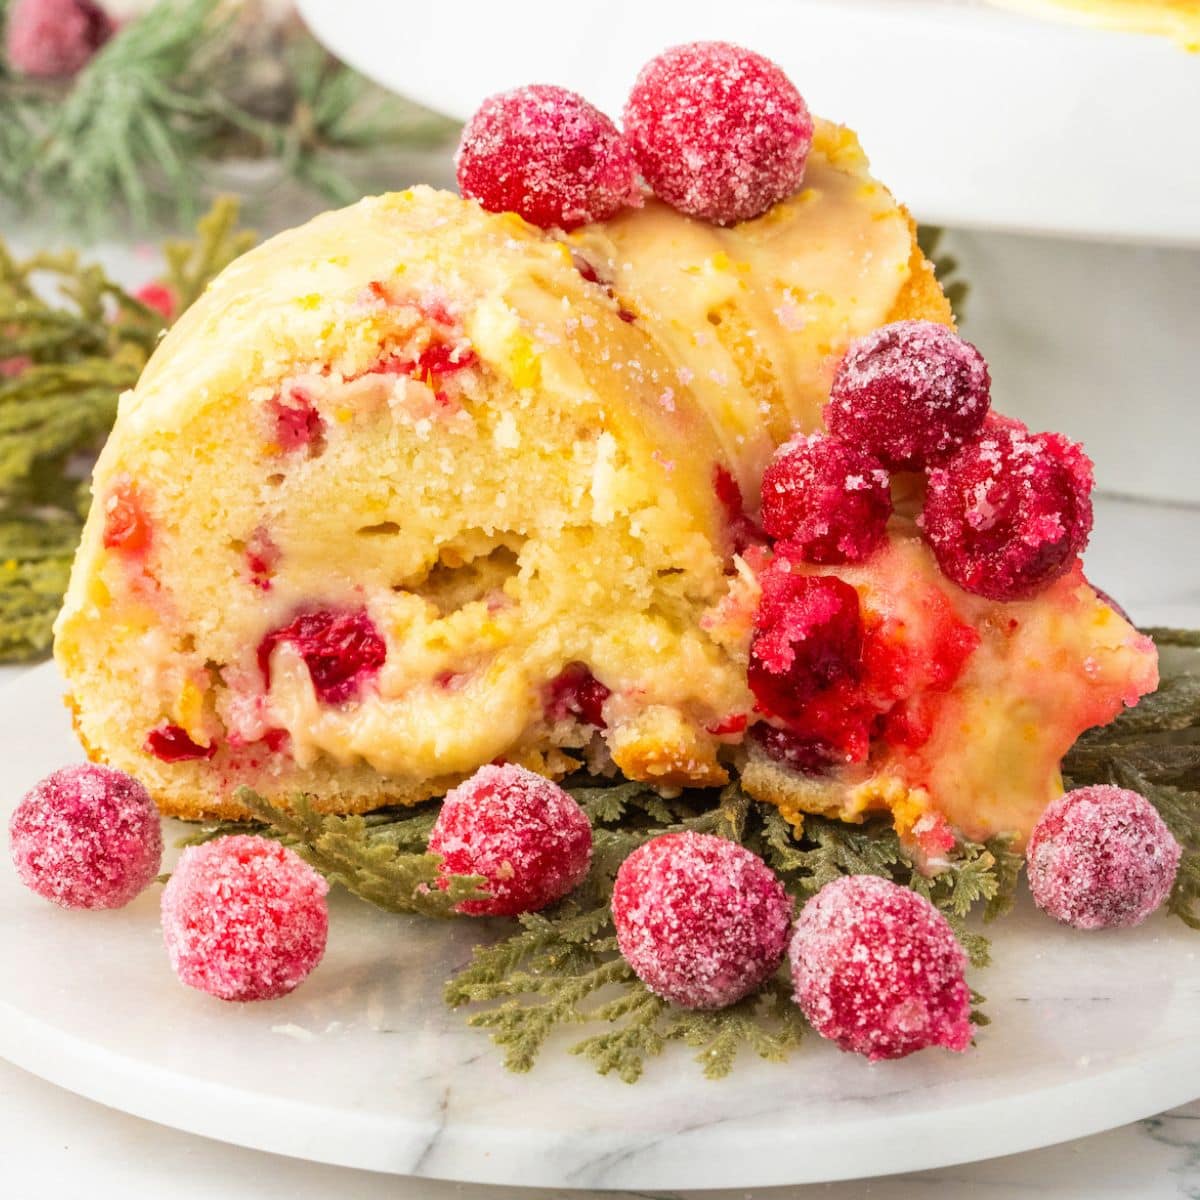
878,970
576,692
828,501
126,526
53,39
86,837
342,651
809,638
160,297
296,423
546,153
244,918
1101,858
1010,513
910,393
719,132
528,838
171,743
701,920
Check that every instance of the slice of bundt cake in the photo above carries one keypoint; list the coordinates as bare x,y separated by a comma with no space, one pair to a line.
416,487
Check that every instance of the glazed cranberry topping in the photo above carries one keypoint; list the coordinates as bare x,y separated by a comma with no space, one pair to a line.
719,132
576,692
1010,513
126,526
297,424
547,154
701,920
829,502
342,650
797,752
809,638
910,393
171,743
1101,858
878,970
527,837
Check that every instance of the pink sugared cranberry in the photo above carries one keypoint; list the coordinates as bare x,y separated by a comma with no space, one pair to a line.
910,393
828,501
701,920
86,837
546,153
719,132
52,39
527,837
1009,513
1101,858
172,743
160,297
809,638
877,969
576,692
244,918
342,650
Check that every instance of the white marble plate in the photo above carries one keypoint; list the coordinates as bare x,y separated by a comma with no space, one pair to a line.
363,1066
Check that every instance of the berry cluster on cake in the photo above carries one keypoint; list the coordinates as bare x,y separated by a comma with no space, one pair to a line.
655,452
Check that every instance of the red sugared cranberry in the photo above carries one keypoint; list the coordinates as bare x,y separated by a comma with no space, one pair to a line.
171,743
547,154
910,393
743,532
160,297
52,39
878,970
809,637
244,918
1101,858
719,132
528,838
1008,514
296,422
86,837
576,692
342,651
828,501
126,526
701,920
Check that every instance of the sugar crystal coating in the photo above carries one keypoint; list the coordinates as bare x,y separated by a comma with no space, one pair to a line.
910,393
86,836
700,919
53,39
1101,858
1010,512
877,969
244,918
828,501
546,153
719,132
527,837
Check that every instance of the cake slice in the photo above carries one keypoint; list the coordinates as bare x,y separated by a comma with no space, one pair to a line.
416,487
